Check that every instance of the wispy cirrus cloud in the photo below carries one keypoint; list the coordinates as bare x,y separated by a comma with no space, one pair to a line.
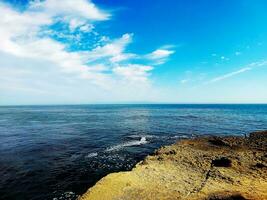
229,75
160,56
184,81
237,72
114,51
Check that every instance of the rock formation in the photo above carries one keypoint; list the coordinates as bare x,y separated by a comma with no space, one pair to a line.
211,168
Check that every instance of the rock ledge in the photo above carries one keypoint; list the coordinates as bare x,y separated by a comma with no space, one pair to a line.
210,168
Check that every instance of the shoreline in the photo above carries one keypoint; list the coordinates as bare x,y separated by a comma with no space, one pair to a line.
207,167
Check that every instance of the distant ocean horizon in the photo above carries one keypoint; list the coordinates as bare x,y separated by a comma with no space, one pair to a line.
126,103
59,151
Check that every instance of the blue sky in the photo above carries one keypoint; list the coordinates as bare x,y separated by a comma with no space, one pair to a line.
118,51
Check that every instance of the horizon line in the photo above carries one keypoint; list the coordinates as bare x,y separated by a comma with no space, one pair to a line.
132,103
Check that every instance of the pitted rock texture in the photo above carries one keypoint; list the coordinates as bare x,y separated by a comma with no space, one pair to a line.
208,168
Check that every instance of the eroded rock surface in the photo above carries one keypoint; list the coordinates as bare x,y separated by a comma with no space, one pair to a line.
211,168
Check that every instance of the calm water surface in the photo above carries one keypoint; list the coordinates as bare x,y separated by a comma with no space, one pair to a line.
57,152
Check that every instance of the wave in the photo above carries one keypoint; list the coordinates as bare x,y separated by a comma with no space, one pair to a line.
67,195
164,137
90,155
146,136
128,144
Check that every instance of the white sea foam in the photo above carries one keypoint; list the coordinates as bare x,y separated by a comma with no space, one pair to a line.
181,136
146,136
66,195
90,155
128,144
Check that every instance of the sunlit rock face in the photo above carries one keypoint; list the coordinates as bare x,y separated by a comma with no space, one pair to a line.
209,168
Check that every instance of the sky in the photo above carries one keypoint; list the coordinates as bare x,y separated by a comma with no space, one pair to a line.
125,51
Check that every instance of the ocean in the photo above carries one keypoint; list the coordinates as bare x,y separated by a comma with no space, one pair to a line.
58,152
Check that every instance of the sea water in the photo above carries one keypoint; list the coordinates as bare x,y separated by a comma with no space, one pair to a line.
58,152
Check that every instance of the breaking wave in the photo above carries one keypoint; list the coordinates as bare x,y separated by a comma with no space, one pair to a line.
128,144
90,155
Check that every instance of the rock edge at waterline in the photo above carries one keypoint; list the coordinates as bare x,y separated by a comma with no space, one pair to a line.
212,168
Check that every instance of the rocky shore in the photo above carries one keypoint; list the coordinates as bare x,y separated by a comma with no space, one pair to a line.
212,168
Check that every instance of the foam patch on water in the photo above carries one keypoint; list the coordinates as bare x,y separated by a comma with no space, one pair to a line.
90,155
128,144
182,136
67,196
157,137
146,136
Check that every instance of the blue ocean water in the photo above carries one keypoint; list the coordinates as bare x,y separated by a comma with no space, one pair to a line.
57,152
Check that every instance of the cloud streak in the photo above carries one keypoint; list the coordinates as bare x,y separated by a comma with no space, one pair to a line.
229,75
240,71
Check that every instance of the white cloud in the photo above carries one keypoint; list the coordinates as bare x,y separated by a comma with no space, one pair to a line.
160,56
74,24
69,9
19,33
19,30
133,72
27,45
76,13
160,53
242,70
237,53
87,28
114,51
224,58
225,76
184,81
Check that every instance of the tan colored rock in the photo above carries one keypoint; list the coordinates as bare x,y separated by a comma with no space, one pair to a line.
209,168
